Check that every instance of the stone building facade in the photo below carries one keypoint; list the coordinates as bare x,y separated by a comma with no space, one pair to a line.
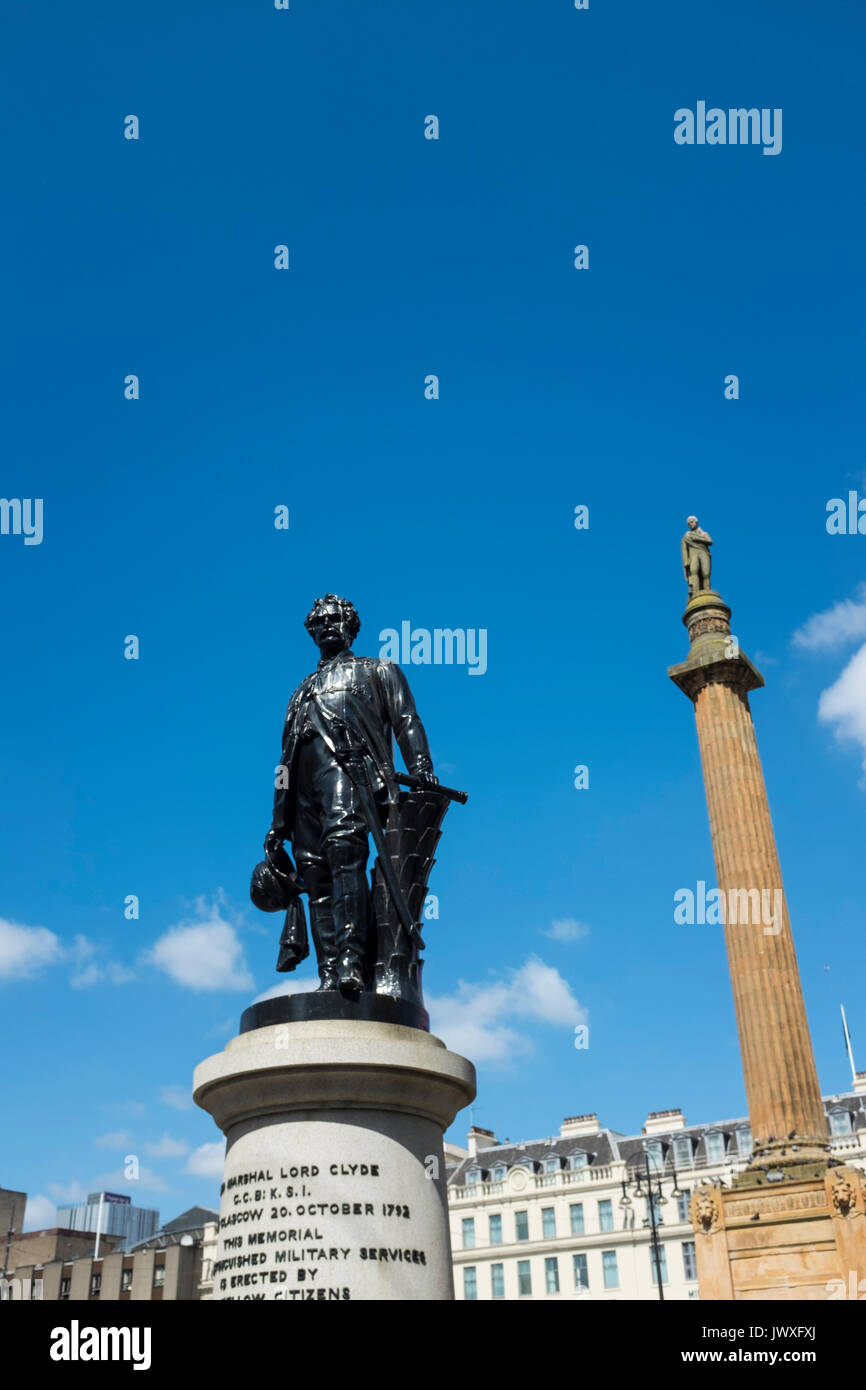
545,1218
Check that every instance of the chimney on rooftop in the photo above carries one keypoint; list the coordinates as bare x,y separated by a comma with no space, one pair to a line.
662,1121
573,1125
860,1083
479,1139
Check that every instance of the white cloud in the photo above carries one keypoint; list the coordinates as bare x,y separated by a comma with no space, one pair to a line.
167,1148
566,929
478,1019
178,1097
40,1214
843,704
86,971
68,1194
118,1181
111,973
836,627
202,955
115,1139
287,987
207,1160
24,951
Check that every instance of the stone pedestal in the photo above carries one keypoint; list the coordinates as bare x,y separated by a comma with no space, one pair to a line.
334,1181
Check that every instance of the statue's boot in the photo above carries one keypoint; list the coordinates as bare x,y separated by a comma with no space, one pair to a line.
325,940
351,907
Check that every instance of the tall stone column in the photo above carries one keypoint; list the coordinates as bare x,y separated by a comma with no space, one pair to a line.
793,1225
785,1109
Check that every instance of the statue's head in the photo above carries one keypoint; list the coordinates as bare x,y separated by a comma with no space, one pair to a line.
692,522
333,623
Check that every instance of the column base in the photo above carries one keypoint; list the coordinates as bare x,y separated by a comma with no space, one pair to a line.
803,1238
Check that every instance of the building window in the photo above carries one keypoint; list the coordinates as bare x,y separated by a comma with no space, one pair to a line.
656,1211
159,1276
470,1284
744,1141
605,1216
683,1205
683,1152
715,1146
840,1122
524,1277
662,1263
690,1263
126,1281
469,1233
498,1173
578,1160
551,1274
497,1281
551,1165
95,1285
64,1287
655,1157
576,1214
496,1230
521,1225
581,1273
548,1223
473,1175
609,1269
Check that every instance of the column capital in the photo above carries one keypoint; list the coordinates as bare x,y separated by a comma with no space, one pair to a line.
714,655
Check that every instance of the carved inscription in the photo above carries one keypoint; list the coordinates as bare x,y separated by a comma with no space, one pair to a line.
286,1232
794,1202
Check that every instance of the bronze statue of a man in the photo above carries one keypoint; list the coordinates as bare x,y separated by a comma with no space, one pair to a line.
337,785
697,563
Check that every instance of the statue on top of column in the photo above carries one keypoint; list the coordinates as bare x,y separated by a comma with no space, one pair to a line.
697,561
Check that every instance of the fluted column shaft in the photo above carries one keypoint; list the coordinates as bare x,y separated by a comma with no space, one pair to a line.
778,1064
781,1081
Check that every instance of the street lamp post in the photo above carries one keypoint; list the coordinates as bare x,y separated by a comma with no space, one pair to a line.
654,1197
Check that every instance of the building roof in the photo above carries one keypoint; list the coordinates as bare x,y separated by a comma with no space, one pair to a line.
188,1223
192,1220
606,1146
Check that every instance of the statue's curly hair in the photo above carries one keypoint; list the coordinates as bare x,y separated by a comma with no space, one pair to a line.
349,613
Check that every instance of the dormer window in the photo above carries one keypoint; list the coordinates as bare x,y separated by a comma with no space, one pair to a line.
655,1156
473,1175
683,1152
744,1141
578,1160
840,1122
498,1173
552,1165
715,1147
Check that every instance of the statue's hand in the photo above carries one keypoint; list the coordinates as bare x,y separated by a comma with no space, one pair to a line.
425,774
273,842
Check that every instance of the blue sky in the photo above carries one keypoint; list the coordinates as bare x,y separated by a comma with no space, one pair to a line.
305,388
